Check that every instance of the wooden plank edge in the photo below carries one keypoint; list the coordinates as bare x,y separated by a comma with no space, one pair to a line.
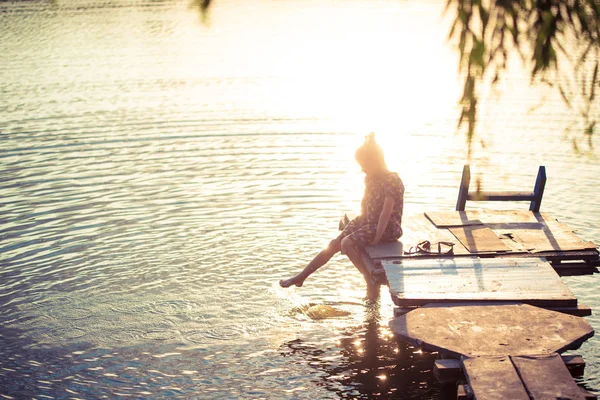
587,395
576,344
566,255
575,364
579,311
542,303
463,392
501,196
574,269
537,372
590,257
399,311
444,352
447,370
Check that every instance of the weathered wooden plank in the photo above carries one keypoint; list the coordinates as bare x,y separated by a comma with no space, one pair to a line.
447,370
398,311
546,377
553,236
541,233
443,219
418,228
579,311
479,238
496,217
575,364
501,196
462,392
491,329
530,280
588,256
487,217
539,240
574,269
386,250
492,378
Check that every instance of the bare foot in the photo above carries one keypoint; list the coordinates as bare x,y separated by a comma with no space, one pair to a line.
292,281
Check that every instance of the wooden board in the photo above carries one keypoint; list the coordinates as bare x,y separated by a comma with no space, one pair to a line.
492,378
553,236
496,330
547,377
479,239
443,219
487,217
531,231
416,229
516,232
448,370
527,280
385,250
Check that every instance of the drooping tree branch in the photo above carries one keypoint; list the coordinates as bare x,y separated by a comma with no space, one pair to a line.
558,40
554,38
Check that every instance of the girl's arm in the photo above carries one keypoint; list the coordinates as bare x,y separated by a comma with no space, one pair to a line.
384,218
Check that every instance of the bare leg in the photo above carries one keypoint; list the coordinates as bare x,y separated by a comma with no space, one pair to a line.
349,249
321,259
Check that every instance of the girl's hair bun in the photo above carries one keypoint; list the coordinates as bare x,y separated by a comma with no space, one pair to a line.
370,151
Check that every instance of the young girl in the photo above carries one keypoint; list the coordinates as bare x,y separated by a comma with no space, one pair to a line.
380,218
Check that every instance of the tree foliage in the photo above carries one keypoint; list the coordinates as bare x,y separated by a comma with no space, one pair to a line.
559,40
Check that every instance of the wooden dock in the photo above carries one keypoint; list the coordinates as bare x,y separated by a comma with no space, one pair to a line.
483,289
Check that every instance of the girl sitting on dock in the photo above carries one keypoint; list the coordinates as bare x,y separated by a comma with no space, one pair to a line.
380,218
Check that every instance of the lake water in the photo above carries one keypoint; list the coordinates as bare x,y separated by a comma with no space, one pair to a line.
159,175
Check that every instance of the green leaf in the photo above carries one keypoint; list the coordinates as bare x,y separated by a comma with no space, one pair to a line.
477,53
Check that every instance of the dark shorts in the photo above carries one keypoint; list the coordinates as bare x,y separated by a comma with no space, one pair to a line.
363,234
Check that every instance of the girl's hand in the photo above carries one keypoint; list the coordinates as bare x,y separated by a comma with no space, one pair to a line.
375,242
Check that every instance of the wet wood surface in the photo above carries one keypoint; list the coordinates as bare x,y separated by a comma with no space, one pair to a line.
527,280
489,233
479,239
450,370
457,330
546,377
492,378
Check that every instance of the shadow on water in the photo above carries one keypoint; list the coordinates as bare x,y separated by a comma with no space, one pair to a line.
369,362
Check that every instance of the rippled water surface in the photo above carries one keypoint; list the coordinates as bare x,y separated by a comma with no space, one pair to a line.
159,175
